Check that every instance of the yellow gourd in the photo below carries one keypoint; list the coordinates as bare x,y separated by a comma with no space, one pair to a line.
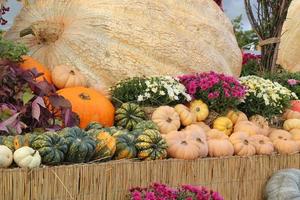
186,117
291,124
200,109
223,124
236,116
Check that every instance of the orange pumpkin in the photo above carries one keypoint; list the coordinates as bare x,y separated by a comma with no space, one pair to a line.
263,145
90,105
279,134
187,144
219,144
243,144
30,63
283,142
202,125
247,127
290,114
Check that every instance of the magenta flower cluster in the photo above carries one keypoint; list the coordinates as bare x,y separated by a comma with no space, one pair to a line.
249,56
218,90
293,82
159,191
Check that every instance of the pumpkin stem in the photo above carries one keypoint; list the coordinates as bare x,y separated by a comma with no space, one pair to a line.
45,32
169,120
246,142
26,31
72,72
84,96
199,140
184,142
261,142
35,151
198,109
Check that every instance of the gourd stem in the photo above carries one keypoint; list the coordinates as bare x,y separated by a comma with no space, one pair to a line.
34,152
84,96
72,72
169,120
246,142
26,31
184,142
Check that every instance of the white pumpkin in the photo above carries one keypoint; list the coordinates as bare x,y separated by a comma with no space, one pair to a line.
289,54
109,40
6,156
27,157
283,184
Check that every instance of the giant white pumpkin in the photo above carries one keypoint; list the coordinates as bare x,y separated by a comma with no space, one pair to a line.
289,49
109,40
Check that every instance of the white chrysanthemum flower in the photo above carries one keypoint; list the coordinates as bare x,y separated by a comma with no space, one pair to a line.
140,98
154,89
147,95
162,93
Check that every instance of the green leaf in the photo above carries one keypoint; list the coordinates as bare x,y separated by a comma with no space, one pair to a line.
26,97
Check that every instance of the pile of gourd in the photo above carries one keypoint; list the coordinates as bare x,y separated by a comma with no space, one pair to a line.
141,139
188,137
175,132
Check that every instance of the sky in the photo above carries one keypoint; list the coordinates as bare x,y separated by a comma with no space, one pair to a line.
232,8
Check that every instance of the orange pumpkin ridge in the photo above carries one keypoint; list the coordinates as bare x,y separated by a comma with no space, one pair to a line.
90,105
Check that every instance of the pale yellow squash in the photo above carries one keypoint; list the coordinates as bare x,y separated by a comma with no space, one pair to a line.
109,40
289,54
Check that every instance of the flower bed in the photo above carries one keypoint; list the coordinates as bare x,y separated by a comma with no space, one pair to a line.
233,177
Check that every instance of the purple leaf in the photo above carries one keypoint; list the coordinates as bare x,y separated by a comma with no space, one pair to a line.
8,122
36,110
59,102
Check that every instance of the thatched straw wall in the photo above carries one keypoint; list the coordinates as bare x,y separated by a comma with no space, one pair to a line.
234,177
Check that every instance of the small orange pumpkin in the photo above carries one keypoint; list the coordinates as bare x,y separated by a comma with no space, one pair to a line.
187,144
247,127
283,142
219,144
279,134
290,114
166,118
30,63
66,76
263,145
204,126
243,144
90,105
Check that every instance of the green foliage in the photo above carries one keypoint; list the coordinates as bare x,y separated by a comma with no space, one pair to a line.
252,67
289,80
243,37
150,91
10,50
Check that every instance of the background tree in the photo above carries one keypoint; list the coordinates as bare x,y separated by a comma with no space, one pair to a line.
243,37
267,18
